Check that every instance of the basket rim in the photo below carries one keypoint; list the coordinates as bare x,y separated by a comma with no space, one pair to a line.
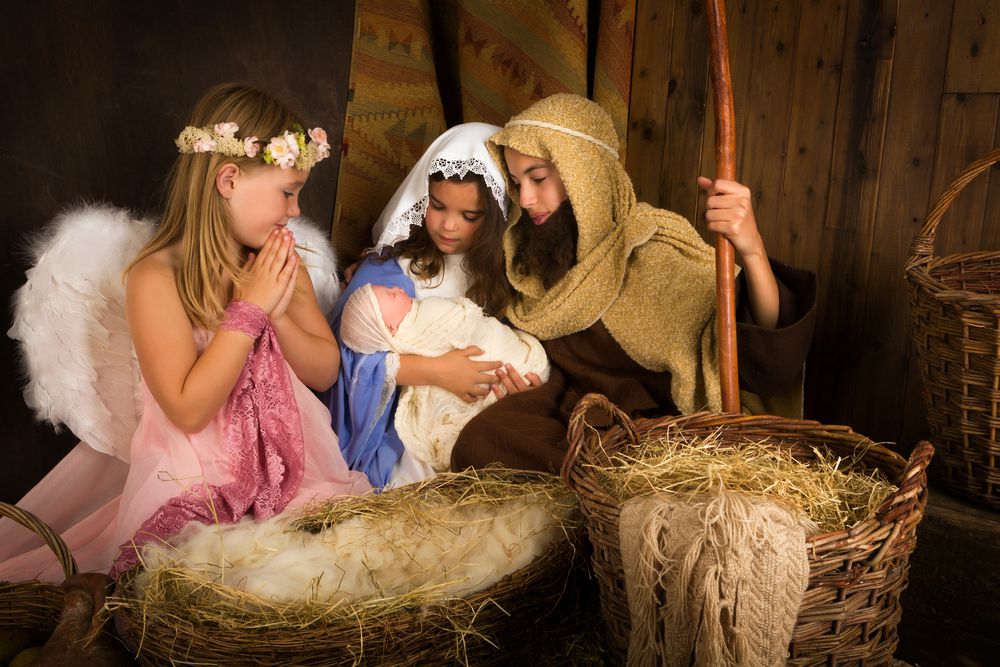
921,277
912,478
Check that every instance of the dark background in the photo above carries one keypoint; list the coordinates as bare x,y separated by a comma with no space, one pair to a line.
93,96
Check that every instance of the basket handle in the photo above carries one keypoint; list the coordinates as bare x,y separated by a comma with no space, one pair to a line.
922,246
575,433
912,489
913,484
33,523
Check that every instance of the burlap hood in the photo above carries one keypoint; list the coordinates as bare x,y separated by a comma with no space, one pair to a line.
644,272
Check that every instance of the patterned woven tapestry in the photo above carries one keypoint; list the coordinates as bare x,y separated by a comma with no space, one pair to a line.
393,113
509,54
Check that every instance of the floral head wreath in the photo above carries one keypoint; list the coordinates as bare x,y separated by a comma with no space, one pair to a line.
289,149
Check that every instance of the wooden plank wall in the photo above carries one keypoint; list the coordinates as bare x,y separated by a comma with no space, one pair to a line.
851,115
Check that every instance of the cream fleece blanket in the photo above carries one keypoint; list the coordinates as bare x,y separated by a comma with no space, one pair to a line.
442,550
429,418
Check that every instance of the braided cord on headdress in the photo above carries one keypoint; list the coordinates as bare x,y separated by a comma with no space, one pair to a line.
565,130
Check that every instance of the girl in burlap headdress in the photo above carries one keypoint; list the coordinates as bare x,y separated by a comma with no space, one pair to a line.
622,294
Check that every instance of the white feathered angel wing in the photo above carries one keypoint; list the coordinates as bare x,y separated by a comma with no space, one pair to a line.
319,258
69,318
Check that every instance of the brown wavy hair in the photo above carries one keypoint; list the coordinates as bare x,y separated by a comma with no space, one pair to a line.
197,215
484,260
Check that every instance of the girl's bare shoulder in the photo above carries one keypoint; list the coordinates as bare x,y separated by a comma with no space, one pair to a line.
158,269
164,260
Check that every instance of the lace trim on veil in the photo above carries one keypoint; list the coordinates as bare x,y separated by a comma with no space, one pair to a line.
398,228
389,386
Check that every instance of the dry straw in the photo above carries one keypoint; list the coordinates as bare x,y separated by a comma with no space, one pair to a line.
189,617
828,490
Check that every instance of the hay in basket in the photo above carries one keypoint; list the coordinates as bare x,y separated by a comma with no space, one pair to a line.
829,492
851,609
173,611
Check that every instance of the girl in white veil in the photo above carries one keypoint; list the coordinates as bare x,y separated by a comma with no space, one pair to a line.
440,235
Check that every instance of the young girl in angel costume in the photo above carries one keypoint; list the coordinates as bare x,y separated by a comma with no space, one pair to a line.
229,339
440,235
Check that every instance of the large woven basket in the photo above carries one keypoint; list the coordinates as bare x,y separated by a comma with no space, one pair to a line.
507,619
851,609
34,605
955,306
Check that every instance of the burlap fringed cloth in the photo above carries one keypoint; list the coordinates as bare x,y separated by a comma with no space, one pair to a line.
714,580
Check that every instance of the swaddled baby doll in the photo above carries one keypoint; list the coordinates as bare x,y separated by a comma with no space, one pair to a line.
428,418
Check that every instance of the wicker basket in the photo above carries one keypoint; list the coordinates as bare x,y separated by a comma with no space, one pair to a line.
512,616
34,605
851,609
955,305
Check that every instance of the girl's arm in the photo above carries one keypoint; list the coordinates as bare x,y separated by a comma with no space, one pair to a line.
191,389
305,337
453,371
729,212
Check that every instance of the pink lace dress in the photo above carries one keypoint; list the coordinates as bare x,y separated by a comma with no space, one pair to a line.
167,464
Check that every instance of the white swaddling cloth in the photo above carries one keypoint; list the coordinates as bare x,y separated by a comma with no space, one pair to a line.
429,418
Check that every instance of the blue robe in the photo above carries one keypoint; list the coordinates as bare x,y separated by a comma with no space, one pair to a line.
367,434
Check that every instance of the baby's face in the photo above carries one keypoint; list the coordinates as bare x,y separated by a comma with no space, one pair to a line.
394,304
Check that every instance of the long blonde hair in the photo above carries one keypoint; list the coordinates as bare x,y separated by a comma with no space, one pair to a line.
197,215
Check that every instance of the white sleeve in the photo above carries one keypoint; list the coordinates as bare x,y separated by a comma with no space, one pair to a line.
391,368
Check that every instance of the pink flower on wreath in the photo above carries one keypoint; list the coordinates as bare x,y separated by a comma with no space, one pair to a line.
318,135
292,141
226,130
250,146
204,145
282,151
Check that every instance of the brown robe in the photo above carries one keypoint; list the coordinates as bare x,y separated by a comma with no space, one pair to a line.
527,431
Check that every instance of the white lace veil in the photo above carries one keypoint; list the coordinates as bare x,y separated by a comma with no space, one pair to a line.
455,153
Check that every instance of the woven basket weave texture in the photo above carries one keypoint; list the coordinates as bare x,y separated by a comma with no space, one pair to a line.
851,608
955,309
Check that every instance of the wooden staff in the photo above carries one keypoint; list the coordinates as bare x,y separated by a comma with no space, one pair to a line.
725,167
